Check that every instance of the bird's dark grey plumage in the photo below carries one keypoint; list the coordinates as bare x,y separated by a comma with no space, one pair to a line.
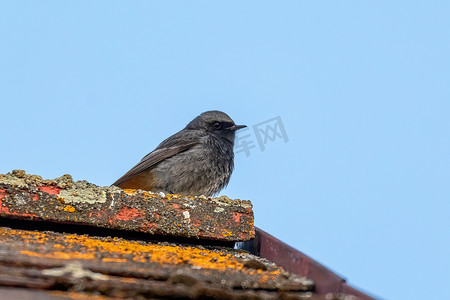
197,160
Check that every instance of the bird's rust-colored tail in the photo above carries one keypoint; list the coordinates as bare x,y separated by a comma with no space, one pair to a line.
143,181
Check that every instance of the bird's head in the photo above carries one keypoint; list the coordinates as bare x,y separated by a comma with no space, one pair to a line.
217,123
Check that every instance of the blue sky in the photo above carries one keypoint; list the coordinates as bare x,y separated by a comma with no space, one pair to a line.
362,89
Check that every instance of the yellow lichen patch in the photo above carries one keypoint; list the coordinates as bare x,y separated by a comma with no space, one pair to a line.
31,253
227,233
130,191
69,208
60,255
133,192
35,235
150,195
114,259
264,278
158,253
72,255
154,195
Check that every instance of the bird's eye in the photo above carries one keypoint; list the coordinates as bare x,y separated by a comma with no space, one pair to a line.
217,125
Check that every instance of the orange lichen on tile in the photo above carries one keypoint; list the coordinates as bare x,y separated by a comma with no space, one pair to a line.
36,236
127,213
158,253
52,190
156,195
133,191
114,259
237,217
60,255
130,191
227,233
69,208
148,226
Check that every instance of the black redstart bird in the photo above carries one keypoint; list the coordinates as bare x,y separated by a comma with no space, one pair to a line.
197,160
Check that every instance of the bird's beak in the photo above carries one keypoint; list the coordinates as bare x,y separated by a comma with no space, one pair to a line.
236,127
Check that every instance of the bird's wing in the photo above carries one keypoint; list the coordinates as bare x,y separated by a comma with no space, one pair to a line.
173,145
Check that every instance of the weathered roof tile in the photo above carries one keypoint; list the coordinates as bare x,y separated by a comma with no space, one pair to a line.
62,200
114,266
